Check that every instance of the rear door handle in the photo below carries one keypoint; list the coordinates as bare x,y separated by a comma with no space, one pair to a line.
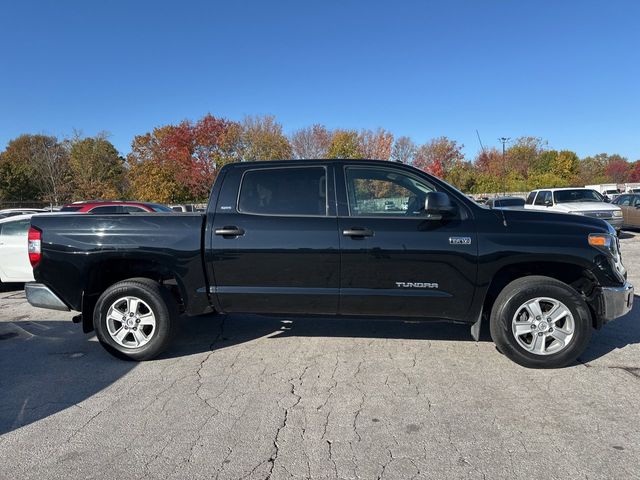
229,231
357,232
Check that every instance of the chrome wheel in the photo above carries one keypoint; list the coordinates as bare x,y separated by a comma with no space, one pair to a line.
543,326
131,322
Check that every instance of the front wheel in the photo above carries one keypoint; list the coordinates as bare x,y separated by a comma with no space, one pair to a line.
134,319
540,322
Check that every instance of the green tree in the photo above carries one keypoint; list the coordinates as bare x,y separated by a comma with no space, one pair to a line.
97,169
35,167
345,144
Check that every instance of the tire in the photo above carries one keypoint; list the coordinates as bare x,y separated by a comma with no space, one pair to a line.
146,333
542,346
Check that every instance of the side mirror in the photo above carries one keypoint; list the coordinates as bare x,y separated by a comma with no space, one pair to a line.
438,203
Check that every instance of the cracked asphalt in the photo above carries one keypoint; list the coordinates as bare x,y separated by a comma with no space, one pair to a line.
275,397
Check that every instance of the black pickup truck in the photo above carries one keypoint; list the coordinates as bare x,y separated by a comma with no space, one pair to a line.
335,237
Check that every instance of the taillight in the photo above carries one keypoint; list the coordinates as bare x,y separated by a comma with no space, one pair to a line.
35,246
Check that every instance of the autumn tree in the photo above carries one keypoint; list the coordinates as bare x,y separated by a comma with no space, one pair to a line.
96,168
152,174
375,145
186,157
344,144
311,142
522,154
438,156
634,172
490,162
403,151
617,169
262,139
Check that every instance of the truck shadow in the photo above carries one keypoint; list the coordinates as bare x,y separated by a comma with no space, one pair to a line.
615,335
49,366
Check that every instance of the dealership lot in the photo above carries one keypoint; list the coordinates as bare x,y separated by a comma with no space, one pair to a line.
258,397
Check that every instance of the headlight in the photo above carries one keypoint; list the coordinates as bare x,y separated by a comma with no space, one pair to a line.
617,213
577,213
604,242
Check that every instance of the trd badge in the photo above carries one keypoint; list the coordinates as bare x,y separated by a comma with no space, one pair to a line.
459,240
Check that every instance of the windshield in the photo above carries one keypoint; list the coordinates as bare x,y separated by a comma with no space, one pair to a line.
577,195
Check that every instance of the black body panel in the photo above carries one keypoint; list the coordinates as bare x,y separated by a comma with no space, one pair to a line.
78,249
437,268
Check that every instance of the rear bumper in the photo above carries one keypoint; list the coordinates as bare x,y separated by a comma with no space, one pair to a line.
39,295
616,302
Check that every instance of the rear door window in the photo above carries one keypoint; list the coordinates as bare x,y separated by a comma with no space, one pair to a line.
284,191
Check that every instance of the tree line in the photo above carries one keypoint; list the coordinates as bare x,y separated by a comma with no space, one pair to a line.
178,163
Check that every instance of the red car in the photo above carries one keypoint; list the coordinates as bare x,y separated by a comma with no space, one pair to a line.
104,206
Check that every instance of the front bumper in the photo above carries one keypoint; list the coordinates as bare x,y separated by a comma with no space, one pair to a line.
39,295
616,302
615,222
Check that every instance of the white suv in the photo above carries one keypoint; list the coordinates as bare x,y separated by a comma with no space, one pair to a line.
580,201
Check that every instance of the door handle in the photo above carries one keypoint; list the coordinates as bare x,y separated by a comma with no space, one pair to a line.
229,231
357,232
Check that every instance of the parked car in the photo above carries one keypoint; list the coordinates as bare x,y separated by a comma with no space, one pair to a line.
579,201
505,202
313,237
630,205
12,212
14,257
105,207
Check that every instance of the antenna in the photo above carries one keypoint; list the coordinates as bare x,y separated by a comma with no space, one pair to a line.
481,146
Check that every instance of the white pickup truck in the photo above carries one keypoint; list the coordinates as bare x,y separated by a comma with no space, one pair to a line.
580,201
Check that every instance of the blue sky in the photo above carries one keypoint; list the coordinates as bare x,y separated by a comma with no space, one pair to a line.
568,72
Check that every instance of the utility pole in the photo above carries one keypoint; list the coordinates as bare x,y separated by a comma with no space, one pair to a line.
504,141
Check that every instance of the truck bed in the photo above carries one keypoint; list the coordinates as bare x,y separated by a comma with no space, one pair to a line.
80,252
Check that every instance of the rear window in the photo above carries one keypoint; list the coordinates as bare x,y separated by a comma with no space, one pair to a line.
284,191
70,209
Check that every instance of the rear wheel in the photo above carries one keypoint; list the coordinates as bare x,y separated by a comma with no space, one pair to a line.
134,319
540,322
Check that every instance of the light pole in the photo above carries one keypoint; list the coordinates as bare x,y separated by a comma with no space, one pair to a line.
504,141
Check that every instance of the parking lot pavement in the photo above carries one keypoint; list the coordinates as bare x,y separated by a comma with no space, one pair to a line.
274,397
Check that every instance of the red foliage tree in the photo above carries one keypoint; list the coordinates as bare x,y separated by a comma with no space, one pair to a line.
634,172
617,169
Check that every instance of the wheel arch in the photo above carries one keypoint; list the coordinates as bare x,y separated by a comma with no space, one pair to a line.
576,276
104,274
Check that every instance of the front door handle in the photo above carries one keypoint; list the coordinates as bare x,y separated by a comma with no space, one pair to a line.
357,232
229,231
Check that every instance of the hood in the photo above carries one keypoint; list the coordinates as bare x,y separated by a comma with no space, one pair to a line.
585,207
553,222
